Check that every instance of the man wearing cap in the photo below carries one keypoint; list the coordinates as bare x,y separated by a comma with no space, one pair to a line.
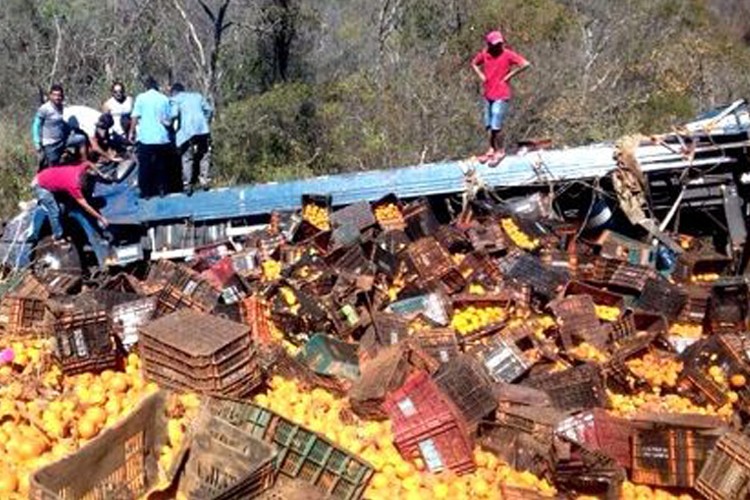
496,66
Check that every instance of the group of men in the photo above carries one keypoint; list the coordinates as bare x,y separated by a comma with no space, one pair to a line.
170,136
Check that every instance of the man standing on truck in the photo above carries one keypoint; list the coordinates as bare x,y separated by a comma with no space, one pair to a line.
120,106
67,181
150,129
496,66
193,136
51,133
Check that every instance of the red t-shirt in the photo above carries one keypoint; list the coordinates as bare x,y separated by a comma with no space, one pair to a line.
67,179
495,69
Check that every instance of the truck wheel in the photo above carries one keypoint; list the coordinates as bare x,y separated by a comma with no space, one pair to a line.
60,256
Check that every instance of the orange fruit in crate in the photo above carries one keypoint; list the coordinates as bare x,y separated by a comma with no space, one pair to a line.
737,380
87,429
30,448
118,383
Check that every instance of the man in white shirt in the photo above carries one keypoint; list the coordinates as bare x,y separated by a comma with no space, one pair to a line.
120,106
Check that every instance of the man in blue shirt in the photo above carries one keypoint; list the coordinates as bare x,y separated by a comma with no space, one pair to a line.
193,136
150,128
50,132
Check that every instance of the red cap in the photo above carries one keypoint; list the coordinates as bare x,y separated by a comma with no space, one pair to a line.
494,37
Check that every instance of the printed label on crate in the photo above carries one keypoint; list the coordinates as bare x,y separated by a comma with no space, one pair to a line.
654,452
394,337
444,356
498,358
431,455
80,343
574,428
190,287
407,407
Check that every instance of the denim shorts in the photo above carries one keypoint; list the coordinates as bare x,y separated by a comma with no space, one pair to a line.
494,114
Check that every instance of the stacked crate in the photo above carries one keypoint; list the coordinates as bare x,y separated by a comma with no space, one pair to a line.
599,431
427,424
82,334
188,350
469,387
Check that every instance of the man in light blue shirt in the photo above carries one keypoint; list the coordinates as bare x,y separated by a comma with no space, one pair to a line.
150,128
193,136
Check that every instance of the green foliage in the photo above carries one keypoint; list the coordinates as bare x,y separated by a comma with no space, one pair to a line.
16,167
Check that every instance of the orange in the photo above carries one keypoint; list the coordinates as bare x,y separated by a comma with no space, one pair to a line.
8,482
87,429
30,448
118,383
96,414
737,380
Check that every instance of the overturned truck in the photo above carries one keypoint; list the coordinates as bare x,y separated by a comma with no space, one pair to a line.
695,180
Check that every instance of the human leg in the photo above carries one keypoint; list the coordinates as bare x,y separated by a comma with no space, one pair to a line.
146,181
498,111
203,156
487,125
49,205
187,157
53,153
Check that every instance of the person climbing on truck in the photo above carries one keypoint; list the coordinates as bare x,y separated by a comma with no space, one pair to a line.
51,134
496,65
60,183
105,147
193,136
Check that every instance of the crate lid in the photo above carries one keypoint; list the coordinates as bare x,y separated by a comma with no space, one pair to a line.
194,332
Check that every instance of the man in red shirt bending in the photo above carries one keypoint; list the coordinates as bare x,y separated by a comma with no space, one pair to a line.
68,180
496,66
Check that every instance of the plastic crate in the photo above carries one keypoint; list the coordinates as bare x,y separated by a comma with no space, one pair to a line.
503,361
329,356
23,306
309,457
577,320
632,278
519,450
283,364
576,388
599,296
696,307
700,389
187,289
440,343
119,463
539,422
390,329
726,472
434,306
226,462
465,382
670,455
358,215
632,322
478,268
128,317
420,219
529,270
255,313
426,423
430,259
189,350
159,273
728,307
82,336
597,430
386,372
488,237
660,295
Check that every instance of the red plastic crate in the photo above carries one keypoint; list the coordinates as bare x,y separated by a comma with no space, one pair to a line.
425,423
597,430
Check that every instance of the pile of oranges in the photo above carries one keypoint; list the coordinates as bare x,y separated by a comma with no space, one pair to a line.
46,416
628,406
658,369
607,313
588,352
388,212
518,237
470,319
394,476
317,216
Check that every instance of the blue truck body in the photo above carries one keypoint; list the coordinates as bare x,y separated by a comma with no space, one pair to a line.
176,224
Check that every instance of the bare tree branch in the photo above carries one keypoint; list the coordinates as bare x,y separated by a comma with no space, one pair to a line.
193,33
58,44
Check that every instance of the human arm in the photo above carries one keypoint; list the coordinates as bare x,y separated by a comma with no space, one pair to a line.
91,210
476,64
36,130
519,64
208,110
97,148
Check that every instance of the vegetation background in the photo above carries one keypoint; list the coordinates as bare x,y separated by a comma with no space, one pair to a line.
305,87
